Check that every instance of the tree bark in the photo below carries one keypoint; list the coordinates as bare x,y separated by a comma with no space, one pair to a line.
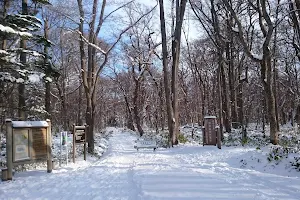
265,62
180,9
165,71
79,111
47,72
21,86
266,76
136,107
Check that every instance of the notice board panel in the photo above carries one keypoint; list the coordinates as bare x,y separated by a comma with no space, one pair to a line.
21,145
39,143
210,131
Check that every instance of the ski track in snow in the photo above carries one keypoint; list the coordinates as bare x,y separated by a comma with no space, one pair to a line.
181,173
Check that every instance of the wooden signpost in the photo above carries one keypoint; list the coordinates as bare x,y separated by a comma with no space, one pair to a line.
27,142
210,132
79,137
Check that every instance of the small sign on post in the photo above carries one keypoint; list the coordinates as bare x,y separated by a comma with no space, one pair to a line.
79,137
210,132
63,146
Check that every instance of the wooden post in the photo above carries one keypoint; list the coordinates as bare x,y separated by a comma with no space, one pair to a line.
84,146
49,150
203,135
218,137
73,143
9,148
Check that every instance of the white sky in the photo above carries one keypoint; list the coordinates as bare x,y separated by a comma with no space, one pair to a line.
187,172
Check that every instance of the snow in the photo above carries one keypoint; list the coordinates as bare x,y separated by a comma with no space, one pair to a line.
257,56
25,34
9,30
34,78
210,117
188,171
48,79
3,52
21,124
235,29
20,80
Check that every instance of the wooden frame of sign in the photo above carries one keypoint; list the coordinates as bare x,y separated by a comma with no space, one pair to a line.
79,137
27,142
211,132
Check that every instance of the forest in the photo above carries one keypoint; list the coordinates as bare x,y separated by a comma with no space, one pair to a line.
151,64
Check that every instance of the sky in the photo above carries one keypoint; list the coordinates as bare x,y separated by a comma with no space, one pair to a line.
192,28
187,172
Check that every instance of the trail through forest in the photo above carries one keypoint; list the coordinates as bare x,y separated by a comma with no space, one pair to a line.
184,172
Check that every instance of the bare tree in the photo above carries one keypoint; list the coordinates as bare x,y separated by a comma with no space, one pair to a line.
172,94
90,71
266,29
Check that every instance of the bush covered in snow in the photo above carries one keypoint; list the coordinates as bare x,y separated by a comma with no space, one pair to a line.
277,153
296,162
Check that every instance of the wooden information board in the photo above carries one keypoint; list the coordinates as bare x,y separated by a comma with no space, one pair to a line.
79,137
210,131
26,142
39,142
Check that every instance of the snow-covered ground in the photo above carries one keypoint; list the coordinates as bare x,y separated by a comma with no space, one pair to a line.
190,172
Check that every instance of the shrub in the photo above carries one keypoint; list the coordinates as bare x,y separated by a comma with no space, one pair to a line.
296,163
182,139
277,153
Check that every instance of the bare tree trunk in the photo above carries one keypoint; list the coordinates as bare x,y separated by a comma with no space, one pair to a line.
294,8
79,111
161,105
165,70
135,107
21,86
225,95
47,70
220,101
180,9
275,75
266,76
62,88
231,73
129,115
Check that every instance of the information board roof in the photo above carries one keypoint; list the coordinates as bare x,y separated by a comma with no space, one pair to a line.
210,117
28,124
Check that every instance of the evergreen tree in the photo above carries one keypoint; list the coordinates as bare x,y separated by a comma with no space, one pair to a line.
22,43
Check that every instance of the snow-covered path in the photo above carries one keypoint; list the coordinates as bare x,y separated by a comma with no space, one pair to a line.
182,173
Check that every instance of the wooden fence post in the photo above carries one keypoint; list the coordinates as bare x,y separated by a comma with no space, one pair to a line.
9,148
49,150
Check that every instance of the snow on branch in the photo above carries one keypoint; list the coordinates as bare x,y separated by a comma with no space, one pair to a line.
91,44
9,30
